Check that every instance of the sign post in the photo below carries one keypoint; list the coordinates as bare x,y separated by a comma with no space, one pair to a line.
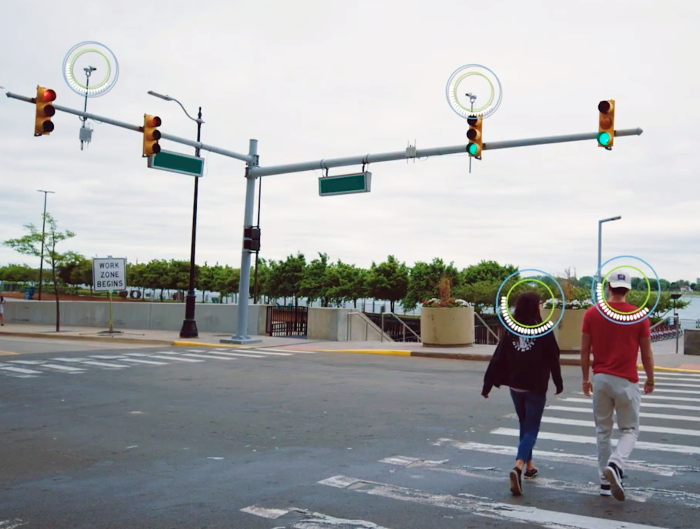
109,274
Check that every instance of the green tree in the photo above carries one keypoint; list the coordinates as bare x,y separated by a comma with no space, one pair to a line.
587,282
315,280
424,279
347,283
482,294
205,279
69,270
636,298
388,281
18,273
286,276
487,271
136,276
32,243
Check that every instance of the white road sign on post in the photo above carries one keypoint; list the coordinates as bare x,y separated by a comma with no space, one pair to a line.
109,273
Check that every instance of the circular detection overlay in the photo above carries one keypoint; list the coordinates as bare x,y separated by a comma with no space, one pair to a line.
612,314
478,82
90,54
509,321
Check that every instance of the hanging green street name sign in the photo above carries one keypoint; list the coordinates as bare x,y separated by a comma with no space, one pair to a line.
345,184
177,163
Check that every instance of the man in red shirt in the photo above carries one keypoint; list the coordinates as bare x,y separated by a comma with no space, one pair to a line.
615,380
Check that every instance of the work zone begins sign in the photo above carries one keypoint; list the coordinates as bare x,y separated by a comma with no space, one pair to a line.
109,273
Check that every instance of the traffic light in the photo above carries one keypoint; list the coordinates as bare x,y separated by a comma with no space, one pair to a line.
151,135
44,111
606,124
474,135
251,238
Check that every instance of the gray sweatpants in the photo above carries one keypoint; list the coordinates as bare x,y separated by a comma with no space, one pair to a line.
614,394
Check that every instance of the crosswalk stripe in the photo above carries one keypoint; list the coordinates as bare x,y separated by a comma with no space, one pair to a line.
642,414
667,379
666,384
540,482
659,397
591,424
21,370
312,520
640,445
65,369
684,391
149,362
26,362
259,352
298,351
563,457
103,364
477,506
644,404
73,360
209,356
234,354
106,357
173,357
672,375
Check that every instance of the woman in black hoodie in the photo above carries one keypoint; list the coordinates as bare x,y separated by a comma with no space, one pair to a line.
524,364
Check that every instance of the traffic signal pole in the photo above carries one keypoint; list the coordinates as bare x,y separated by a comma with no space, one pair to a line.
253,171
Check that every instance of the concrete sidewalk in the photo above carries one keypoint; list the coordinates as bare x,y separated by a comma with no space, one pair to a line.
664,352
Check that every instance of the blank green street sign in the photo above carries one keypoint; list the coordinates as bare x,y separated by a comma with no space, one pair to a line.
345,184
177,163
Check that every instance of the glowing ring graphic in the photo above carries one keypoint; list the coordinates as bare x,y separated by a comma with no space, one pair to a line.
514,327
101,87
644,303
466,72
613,315
507,305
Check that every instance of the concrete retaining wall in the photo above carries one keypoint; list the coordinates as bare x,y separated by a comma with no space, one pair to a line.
154,316
342,325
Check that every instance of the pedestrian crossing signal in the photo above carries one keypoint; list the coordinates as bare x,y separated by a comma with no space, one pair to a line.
474,135
606,124
44,111
151,135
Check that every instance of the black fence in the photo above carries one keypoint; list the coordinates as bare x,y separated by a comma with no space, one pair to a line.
287,321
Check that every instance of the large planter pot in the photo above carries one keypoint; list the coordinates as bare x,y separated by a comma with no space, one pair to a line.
447,327
568,332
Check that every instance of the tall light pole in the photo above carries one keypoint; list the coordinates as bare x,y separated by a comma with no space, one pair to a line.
189,325
600,240
43,231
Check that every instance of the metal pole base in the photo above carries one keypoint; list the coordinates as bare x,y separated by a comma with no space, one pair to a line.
189,329
240,341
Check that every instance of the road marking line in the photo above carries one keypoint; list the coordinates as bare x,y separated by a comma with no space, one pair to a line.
312,520
642,414
672,375
3,353
150,362
592,489
640,445
591,424
259,352
666,384
172,357
563,457
196,351
27,362
65,369
103,364
210,357
475,505
73,360
285,350
263,512
21,370
12,524
106,357
685,391
234,354
644,404
669,379
658,397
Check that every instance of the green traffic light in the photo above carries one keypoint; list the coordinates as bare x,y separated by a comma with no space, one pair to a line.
604,138
473,149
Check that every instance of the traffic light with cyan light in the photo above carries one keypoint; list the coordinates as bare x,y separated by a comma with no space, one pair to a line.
606,124
474,136
44,111
151,135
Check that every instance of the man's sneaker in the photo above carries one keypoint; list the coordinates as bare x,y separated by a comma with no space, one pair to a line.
530,474
614,476
516,485
605,488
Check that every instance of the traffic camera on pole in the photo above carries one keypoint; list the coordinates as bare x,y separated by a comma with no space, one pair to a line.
606,124
474,135
151,135
44,111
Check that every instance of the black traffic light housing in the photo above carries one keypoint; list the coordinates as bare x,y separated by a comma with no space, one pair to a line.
251,238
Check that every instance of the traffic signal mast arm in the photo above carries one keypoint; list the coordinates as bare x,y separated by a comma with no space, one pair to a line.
254,170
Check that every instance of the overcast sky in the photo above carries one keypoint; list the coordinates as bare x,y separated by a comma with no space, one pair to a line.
314,79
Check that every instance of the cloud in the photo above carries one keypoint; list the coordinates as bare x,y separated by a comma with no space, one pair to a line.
314,79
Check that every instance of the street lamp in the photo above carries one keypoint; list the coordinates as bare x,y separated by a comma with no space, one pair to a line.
600,240
189,325
43,231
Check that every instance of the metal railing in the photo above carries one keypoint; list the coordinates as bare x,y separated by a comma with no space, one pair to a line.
368,323
403,323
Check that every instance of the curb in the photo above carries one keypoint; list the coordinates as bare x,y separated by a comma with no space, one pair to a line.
388,352
672,369
86,338
182,343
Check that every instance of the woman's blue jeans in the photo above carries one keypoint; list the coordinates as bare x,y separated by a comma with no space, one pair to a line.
529,406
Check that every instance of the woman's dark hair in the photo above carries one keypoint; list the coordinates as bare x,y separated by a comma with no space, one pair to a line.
527,309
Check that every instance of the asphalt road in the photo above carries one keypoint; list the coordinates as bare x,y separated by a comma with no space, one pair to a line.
166,438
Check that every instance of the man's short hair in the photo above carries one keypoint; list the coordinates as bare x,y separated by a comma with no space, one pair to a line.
619,291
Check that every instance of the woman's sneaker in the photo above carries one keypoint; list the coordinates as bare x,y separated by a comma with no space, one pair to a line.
516,484
530,474
605,488
614,476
